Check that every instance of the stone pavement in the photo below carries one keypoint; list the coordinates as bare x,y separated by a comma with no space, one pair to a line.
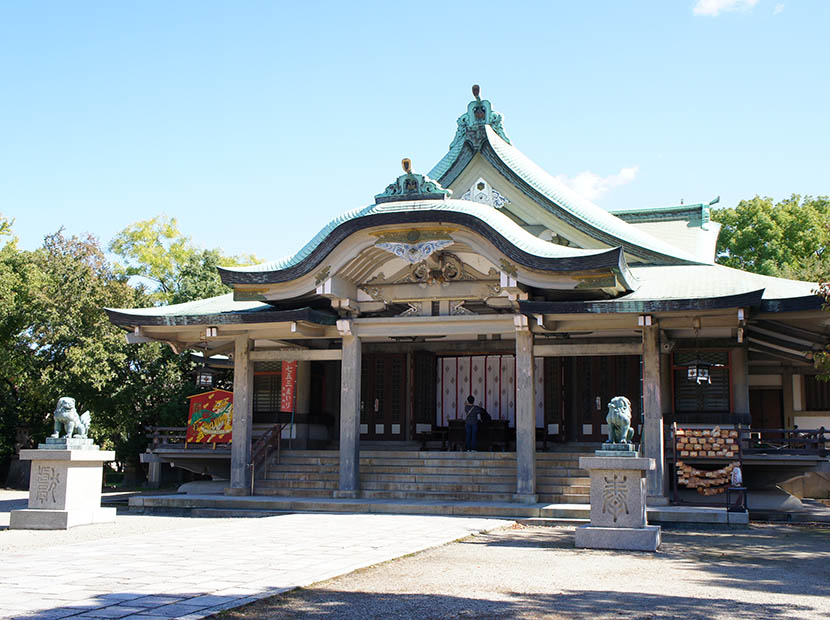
201,566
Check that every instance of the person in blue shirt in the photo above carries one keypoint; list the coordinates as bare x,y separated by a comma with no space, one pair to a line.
474,412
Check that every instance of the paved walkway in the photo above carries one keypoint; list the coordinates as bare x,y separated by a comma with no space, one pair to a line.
152,568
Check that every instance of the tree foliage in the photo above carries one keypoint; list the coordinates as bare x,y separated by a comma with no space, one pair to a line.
786,239
156,249
56,340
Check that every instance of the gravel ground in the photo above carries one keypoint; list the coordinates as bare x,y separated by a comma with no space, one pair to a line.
764,572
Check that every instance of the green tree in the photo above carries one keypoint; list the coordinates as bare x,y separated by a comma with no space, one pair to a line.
156,249
56,340
786,239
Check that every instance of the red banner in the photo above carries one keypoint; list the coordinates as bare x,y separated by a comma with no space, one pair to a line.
289,386
211,417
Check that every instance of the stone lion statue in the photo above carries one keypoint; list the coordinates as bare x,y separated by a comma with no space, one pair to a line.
619,420
67,416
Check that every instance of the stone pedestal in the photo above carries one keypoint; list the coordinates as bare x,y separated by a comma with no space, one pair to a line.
64,486
618,505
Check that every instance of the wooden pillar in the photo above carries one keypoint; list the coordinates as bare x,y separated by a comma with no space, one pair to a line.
525,415
653,415
740,381
350,417
243,385
787,396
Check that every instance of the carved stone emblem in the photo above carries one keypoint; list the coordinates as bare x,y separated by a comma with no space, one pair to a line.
615,496
48,479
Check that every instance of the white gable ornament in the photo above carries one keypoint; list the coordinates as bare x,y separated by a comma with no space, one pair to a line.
414,253
482,192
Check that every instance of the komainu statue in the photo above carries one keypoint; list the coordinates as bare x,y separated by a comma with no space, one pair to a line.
66,415
619,420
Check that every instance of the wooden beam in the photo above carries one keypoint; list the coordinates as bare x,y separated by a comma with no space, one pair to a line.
302,355
306,329
577,350
434,325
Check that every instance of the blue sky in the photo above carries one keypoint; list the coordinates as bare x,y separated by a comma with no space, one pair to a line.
254,123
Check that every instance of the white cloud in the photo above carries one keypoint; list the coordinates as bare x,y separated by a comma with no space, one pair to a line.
713,8
778,8
592,186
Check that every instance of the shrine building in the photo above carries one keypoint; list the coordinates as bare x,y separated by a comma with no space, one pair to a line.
488,276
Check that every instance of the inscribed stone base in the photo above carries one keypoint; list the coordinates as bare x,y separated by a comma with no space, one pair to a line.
64,489
44,519
347,494
623,538
618,490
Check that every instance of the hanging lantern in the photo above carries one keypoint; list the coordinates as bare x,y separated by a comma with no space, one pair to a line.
205,377
698,372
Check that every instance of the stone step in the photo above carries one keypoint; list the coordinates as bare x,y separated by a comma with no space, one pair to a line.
437,496
242,506
553,521
426,475
486,472
426,487
231,513
278,474
283,492
433,454
297,484
564,498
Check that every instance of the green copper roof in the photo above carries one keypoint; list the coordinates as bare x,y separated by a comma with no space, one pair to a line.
584,210
211,305
697,214
492,217
663,282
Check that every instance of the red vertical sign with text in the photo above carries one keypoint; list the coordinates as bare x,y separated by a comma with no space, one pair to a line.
289,386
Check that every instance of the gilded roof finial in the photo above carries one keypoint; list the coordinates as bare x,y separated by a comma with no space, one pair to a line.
407,165
476,91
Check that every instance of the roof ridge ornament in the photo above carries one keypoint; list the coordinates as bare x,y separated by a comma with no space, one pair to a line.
412,186
471,124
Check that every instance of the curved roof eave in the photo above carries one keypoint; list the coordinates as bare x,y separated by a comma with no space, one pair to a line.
561,200
220,310
625,305
507,236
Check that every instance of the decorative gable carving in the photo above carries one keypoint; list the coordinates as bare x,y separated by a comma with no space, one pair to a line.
441,276
482,192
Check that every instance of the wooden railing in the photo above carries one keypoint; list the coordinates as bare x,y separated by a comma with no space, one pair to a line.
160,436
261,450
790,441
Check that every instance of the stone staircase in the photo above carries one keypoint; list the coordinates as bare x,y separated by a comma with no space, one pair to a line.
430,476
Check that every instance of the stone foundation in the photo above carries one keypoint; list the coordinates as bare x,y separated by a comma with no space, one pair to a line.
64,486
618,505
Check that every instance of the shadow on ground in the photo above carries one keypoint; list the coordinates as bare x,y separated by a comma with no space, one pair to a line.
765,558
579,604
131,605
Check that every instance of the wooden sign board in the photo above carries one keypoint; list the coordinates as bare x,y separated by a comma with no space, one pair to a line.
289,386
211,417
